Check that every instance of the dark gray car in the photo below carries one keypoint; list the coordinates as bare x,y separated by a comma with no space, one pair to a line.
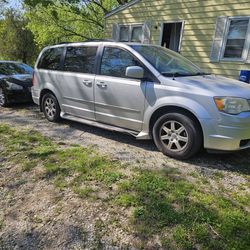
15,83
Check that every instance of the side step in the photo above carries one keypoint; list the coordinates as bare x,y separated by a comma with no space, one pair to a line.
98,124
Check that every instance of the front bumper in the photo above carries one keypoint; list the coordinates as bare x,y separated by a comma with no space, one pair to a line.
228,133
19,96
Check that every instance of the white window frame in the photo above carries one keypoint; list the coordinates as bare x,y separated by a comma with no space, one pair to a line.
131,26
181,35
247,41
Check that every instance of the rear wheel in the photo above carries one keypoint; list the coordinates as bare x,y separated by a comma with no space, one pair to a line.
51,108
3,98
177,135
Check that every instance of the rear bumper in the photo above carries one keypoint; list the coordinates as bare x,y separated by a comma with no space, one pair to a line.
228,134
35,96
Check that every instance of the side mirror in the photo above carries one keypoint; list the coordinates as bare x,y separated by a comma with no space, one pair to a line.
135,72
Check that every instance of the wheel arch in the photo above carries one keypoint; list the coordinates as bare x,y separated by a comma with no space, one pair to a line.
44,92
173,109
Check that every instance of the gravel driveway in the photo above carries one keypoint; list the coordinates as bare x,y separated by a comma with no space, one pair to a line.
120,146
231,169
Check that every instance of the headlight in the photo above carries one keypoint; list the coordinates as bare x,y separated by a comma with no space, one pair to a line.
232,105
13,86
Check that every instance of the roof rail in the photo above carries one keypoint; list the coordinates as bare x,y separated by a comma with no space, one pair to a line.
62,43
99,40
88,40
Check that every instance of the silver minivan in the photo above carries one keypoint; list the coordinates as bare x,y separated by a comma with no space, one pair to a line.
144,90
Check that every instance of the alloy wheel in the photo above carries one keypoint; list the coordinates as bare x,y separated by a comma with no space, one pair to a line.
50,107
174,136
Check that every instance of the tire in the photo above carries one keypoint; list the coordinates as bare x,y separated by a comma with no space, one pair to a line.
177,135
3,98
51,108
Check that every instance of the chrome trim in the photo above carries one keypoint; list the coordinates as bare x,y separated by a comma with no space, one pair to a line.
73,107
121,108
98,124
77,100
119,117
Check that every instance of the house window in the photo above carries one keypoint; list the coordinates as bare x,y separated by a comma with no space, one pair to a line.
131,33
136,34
124,34
236,42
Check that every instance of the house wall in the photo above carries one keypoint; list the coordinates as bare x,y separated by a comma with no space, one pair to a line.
200,22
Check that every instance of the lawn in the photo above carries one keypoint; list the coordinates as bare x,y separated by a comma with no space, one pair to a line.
183,211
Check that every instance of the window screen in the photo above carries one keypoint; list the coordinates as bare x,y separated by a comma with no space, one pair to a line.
236,38
124,34
51,59
131,33
115,61
136,35
80,59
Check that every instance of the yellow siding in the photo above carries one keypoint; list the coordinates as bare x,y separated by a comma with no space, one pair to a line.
200,20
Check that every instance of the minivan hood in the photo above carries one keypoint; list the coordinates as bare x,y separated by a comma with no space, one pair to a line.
215,86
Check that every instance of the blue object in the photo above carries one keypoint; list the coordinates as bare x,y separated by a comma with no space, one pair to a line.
245,76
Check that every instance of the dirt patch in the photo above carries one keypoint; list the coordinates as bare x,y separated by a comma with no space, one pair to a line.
34,214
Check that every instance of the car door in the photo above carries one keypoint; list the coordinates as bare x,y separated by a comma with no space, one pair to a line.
119,100
77,81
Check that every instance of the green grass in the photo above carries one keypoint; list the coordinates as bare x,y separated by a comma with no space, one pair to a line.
1,224
185,215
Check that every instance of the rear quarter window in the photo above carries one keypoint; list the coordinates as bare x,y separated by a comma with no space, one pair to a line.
51,59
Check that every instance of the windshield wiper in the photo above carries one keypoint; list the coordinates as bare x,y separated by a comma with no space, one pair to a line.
202,74
177,74
174,74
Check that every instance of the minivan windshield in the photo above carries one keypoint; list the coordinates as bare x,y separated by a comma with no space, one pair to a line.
167,62
9,68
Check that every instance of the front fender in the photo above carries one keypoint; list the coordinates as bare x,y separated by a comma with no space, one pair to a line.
175,101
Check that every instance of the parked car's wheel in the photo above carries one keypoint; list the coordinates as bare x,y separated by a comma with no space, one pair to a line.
178,136
51,108
3,98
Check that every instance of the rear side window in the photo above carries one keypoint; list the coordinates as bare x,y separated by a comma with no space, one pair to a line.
51,59
80,59
115,61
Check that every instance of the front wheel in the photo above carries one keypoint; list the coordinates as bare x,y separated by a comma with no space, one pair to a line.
3,98
178,136
51,108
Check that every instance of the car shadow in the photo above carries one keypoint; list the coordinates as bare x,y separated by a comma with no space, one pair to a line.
238,161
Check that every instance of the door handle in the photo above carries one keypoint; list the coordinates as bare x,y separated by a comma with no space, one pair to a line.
101,84
88,83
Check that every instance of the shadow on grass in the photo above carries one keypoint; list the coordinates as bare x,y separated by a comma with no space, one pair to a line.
184,215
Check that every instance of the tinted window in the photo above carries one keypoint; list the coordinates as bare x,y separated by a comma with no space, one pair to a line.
7,68
115,61
51,59
80,59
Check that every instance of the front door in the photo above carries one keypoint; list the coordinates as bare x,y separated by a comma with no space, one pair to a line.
77,81
171,35
119,100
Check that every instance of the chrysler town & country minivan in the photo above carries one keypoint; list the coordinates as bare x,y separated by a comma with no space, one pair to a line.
144,90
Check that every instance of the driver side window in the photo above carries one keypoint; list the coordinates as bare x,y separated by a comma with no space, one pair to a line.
115,61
